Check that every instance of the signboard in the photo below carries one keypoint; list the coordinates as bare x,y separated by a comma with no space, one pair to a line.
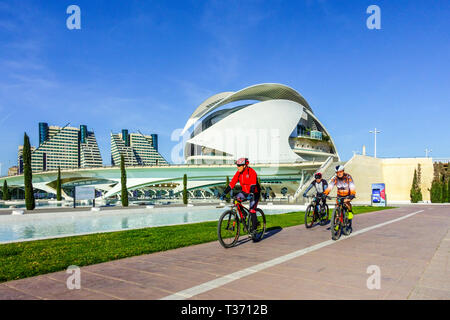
84,193
378,197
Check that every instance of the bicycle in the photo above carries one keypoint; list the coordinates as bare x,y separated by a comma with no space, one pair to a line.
339,222
229,227
315,212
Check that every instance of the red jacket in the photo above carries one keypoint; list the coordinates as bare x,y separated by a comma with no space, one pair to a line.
247,179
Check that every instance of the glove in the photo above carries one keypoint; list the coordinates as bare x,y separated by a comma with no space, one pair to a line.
250,196
304,195
351,197
222,196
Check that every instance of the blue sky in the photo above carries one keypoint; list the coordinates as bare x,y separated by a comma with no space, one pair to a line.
146,65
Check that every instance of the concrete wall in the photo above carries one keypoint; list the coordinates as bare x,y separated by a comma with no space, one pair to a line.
396,173
365,171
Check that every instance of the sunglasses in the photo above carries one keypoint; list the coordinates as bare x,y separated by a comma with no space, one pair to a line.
240,165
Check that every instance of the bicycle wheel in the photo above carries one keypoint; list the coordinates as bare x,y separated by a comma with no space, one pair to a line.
336,227
347,229
228,229
325,215
258,234
309,216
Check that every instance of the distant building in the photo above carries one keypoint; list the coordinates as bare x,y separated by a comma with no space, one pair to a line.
13,171
63,147
20,158
137,149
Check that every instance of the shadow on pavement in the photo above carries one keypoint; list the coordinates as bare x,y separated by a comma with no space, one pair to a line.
269,232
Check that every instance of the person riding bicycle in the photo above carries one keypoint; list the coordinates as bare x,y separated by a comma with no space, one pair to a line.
320,185
345,188
248,179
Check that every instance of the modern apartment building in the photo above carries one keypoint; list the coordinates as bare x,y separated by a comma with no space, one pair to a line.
20,158
63,147
138,149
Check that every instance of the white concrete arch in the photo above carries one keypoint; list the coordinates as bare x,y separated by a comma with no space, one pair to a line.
259,92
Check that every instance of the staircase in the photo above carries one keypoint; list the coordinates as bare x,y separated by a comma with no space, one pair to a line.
327,169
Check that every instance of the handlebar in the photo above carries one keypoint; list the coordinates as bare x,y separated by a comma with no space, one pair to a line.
346,197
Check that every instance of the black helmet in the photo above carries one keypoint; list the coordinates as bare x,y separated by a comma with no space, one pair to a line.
318,175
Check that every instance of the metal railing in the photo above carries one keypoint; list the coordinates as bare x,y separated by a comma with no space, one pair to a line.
322,168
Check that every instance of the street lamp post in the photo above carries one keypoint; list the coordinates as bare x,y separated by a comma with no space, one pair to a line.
375,135
427,151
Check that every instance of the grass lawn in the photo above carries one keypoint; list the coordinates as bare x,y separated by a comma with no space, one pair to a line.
26,259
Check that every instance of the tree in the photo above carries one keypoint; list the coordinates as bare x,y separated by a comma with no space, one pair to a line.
123,181
30,202
58,185
444,191
448,189
228,196
416,193
185,194
6,195
435,191
419,183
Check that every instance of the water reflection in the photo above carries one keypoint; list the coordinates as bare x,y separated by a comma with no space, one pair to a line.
29,232
124,223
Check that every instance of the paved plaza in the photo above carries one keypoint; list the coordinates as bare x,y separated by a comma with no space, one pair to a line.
410,245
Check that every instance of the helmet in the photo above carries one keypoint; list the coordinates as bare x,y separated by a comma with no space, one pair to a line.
339,168
318,175
242,161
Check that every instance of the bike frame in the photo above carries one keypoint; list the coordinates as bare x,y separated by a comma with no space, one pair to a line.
342,208
315,205
241,209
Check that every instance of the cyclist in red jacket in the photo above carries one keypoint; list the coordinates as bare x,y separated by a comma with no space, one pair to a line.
248,179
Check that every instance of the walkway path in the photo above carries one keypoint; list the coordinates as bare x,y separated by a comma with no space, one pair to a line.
410,245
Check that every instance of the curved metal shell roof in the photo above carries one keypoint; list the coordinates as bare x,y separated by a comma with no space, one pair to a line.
259,92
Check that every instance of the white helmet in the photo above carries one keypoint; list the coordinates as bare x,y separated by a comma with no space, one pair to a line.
339,168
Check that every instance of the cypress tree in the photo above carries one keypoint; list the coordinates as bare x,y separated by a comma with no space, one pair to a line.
185,194
435,191
419,183
448,189
123,181
27,174
58,185
413,192
6,195
444,192
416,192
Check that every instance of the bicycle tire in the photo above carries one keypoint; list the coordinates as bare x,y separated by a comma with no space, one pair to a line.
324,220
262,220
307,214
336,234
347,229
232,218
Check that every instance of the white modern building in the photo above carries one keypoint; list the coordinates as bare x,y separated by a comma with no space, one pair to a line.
268,123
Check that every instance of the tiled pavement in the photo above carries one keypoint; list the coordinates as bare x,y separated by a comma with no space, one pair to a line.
412,255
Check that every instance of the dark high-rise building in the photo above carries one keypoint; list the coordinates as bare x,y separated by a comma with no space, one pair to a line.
43,132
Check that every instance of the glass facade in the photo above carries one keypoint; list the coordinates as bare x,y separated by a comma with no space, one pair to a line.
83,133
43,132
